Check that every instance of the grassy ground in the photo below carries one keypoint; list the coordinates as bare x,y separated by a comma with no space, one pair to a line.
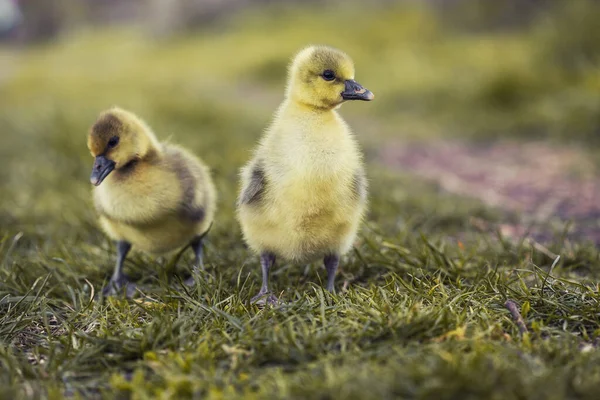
420,306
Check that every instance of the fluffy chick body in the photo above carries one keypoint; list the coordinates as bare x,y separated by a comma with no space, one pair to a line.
315,190
160,206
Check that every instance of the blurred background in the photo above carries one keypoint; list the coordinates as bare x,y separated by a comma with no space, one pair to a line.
497,100
483,152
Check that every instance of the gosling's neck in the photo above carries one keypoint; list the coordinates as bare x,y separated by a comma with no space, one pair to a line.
299,107
307,123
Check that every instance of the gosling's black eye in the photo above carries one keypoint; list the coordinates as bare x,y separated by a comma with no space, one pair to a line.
113,141
328,75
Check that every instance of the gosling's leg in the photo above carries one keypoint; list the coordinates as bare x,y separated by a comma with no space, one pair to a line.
197,246
119,280
331,262
264,296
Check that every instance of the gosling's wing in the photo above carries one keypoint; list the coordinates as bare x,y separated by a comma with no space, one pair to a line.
254,184
189,173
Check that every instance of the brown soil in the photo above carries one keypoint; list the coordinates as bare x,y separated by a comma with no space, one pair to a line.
543,183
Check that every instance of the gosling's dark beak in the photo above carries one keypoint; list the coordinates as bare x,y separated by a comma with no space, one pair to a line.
354,91
102,167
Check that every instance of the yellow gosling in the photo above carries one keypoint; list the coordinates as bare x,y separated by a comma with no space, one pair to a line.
154,196
304,193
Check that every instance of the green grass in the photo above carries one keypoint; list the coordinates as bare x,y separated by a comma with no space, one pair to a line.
419,311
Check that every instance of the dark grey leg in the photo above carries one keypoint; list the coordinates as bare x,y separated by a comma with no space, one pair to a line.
267,260
198,249
119,280
331,262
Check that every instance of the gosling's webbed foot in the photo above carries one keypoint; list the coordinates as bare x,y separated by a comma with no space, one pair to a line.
118,286
190,281
266,298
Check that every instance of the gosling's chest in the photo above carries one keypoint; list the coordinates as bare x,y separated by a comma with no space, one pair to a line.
137,201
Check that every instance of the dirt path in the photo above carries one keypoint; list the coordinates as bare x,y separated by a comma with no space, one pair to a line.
543,183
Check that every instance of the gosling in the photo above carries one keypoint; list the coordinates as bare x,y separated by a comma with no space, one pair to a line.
304,192
154,196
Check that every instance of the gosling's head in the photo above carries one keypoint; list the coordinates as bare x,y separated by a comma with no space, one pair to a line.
323,78
118,139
